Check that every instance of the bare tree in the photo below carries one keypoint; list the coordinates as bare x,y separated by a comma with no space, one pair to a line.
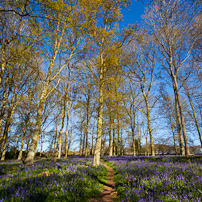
170,23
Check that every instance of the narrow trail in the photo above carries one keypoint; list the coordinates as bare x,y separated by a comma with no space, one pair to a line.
108,193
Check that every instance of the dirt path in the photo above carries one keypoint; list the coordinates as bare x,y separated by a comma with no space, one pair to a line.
108,193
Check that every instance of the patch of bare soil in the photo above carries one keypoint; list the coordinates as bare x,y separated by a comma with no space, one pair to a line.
108,194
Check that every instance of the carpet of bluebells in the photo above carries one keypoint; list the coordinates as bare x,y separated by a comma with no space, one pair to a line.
72,179
158,178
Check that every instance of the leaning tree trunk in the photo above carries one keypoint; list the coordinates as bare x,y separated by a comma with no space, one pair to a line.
5,136
194,114
4,102
3,61
6,130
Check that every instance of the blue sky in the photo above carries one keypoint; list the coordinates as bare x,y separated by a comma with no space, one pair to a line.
133,13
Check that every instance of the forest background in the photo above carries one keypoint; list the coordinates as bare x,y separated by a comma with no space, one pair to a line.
92,77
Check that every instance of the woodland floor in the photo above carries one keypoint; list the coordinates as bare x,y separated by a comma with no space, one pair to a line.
108,194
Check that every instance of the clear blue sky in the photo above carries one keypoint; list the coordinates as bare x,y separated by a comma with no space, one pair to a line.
133,13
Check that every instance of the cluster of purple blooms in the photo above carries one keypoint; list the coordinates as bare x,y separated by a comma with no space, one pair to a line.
71,179
158,178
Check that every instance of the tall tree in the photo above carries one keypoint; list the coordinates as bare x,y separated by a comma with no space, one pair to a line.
103,27
141,63
170,23
60,23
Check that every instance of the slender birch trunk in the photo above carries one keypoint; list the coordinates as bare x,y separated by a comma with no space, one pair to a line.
96,160
110,138
179,129
114,142
149,124
87,125
6,131
28,142
81,138
41,144
66,136
177,97
194,113
54,147
133,134
60,133
172,127
23,137
83,146
8,122
3,61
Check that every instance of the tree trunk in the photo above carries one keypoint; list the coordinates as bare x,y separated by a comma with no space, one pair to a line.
92,147
149,126
179,128
83,146
81,138
55,138
5,135
122,148
119,139
69,143
176,91
114,142
60,133
41,143
146,152
8,123
133,134
4,102
171,122
66,135
28,141
30,156
110,139
3,61
96,160
23,138
194,114
87,125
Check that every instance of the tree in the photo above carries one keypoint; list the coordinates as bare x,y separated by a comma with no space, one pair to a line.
102,33
60,22
141,63
170,23
167,110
